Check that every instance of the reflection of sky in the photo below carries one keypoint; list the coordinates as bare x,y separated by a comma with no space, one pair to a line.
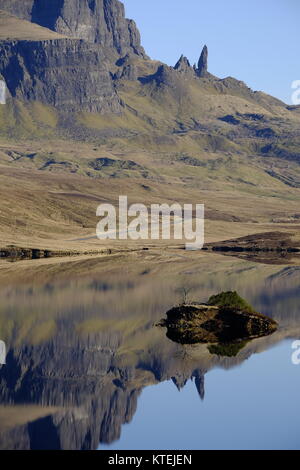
2,352
254,406
2,92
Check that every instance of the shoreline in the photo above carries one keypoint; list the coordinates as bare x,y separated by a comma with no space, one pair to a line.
269,243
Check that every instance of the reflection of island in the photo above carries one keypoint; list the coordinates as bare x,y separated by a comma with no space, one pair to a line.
81,351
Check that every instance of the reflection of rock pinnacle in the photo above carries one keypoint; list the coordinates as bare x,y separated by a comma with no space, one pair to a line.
199,382
179,382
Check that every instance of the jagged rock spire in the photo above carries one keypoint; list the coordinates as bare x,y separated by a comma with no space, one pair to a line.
183,64
202,63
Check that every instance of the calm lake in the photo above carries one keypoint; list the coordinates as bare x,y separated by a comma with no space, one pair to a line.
86,367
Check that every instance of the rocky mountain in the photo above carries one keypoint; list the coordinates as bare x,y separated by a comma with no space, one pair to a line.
96,61
75,71
89,116
95,48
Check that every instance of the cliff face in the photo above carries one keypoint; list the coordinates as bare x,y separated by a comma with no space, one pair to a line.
72,73
69,74
20,8
100,21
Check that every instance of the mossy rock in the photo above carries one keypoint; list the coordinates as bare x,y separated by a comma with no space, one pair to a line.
227,349
226,319
230,299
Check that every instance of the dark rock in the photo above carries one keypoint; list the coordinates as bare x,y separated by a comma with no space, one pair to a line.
169,80
266,133
72,74
230,119
225,319
251,116
21,9
128,70
99,21
69,74
183,65
285,152
203,63
105,162
166,75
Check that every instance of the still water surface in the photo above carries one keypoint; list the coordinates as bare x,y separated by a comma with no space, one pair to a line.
86,367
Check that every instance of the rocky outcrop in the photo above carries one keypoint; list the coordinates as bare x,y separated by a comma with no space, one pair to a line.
165,75
69,74
183,65
168,80
99,21
203,63
127,69
20,8
225,319
73,74
77,71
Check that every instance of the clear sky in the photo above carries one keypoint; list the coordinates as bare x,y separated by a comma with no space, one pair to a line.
256,41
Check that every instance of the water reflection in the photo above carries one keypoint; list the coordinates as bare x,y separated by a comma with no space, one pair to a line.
82,345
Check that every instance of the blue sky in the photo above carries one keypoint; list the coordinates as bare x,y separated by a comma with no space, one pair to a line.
256,41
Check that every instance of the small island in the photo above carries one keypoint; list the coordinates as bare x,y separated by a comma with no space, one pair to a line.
227,322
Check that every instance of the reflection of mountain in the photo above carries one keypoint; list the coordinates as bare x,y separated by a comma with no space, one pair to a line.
82,350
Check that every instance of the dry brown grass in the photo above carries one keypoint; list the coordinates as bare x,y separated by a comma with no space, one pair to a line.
14,28
55,209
